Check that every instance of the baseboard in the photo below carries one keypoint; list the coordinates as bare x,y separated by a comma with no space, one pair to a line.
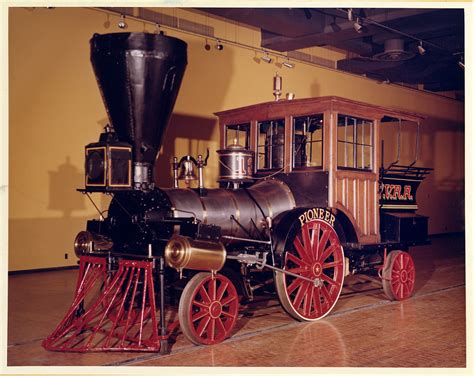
447,234
55,269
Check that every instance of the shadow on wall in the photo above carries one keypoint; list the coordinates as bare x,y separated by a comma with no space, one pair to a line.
193,129
66,179
63,183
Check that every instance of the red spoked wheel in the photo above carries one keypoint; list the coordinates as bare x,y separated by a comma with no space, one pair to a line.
208,309
315,252
398,275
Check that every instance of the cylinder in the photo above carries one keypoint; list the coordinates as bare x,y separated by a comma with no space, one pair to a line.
87,242
235,164
182,252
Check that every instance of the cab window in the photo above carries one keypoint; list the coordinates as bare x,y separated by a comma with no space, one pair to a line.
354,143
270,144
307,145
238,134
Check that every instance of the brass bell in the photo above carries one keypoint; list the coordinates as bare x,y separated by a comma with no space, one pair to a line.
187,171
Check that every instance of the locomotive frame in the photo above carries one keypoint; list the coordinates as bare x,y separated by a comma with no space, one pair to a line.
293,211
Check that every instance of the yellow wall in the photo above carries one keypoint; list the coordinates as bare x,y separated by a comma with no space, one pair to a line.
55,109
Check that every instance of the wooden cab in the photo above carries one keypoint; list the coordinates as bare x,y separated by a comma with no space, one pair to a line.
329,146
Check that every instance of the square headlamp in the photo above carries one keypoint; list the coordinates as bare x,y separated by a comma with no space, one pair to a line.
108,165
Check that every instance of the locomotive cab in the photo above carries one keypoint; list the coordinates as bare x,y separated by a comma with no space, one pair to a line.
329,152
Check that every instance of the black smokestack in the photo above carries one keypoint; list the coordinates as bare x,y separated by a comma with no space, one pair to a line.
139,76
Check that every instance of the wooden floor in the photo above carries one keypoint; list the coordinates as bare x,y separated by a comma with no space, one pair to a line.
363,330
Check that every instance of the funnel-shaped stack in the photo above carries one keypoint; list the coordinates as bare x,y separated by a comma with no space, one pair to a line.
139,76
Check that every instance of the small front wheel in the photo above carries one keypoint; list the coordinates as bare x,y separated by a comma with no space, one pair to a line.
208,309
398,276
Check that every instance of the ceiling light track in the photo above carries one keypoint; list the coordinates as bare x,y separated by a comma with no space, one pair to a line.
268,57
369,21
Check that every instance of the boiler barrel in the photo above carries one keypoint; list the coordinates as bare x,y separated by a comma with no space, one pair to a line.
234,210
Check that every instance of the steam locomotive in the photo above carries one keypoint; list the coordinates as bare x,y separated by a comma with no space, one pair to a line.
291,214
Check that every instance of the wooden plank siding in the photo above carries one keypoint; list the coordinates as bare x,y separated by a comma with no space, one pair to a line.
355,193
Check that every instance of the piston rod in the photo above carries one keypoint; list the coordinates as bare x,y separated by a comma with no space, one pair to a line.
290,273
246,240
264,265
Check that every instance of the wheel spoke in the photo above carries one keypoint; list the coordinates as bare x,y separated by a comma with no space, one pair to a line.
204,295
220,326
225,313
329,280
327,298
317,300
315,239
322,242
221,291
212,288
308,298
300,295
398,263
212,329
200,304
328,251
294,285
300,249
199,315
397,287
333,264
291,257
307,243
228,300
203,325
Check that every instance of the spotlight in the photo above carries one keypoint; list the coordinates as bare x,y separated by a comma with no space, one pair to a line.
266,58
350,14
288,64
122,24
358,26
421,49
219,46
207,47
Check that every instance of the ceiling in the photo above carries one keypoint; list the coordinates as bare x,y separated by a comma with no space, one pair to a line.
385,48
